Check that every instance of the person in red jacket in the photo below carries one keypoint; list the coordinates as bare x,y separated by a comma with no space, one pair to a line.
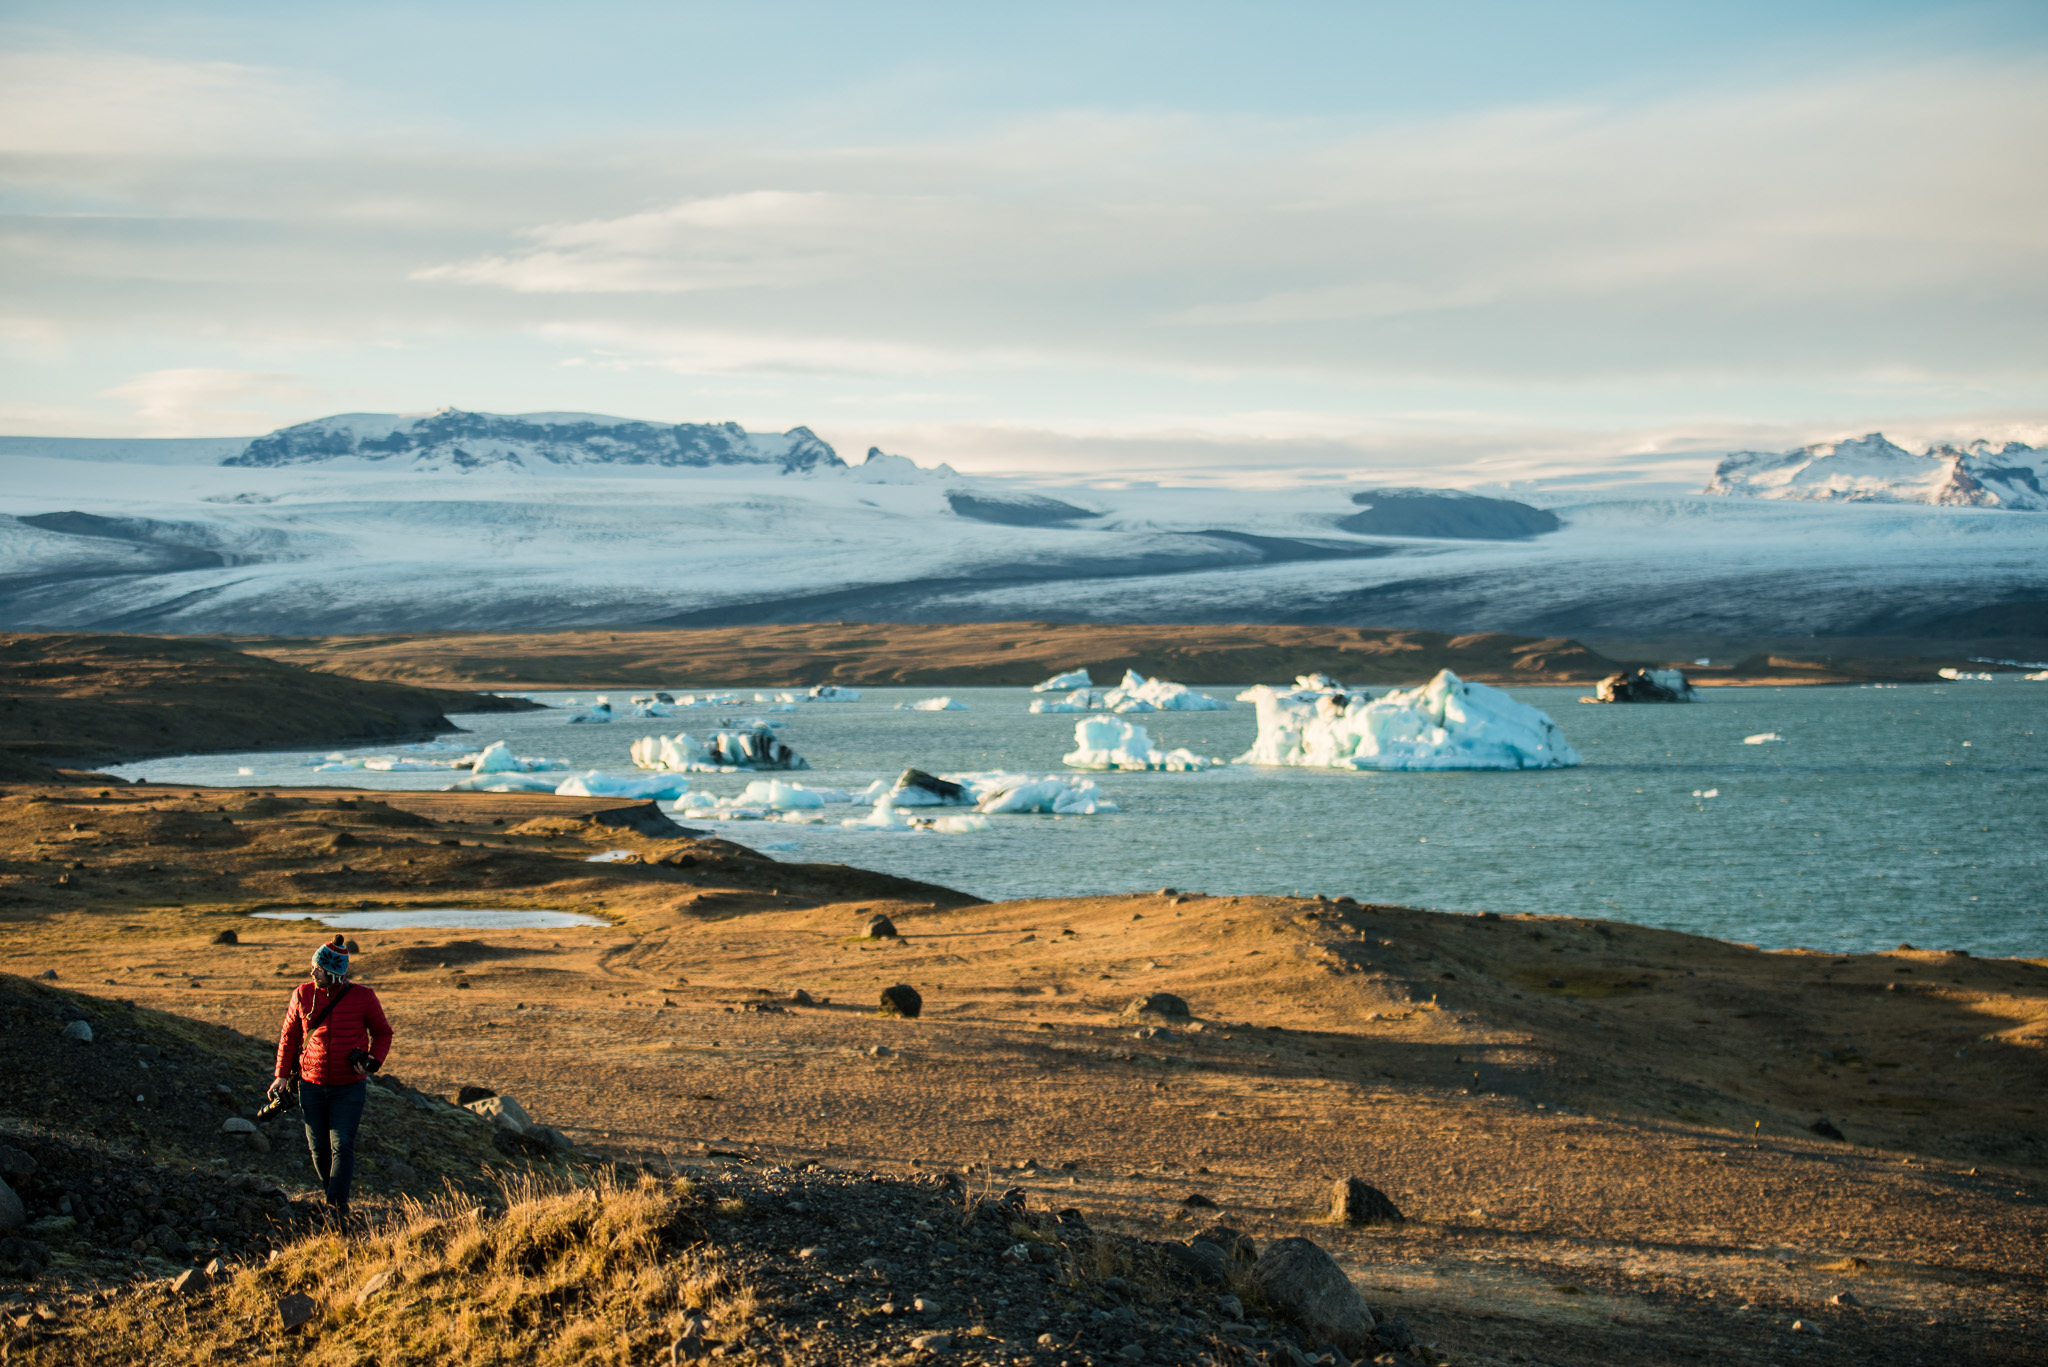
334,1036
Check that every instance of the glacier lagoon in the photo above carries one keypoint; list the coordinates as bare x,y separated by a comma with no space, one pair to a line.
1915,813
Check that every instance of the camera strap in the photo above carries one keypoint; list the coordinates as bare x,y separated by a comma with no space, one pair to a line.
318,1021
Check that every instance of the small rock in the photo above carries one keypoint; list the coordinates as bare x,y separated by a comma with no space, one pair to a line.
1301,1279
1231,1307
216,1269
1843,1298
79,1031
473,1093
191,1282
234,1124
295,1309
924,1305
879,1051
14,1163
1157,1004
1825,1128
401,1172
257,1142
1353,1202
1132,1352
933,1343
13,1215
809,1253
880,928
1048,1341
48,973
373,1286
227,937
503,1112
1198,1201
801,998
902,1000
1802,1327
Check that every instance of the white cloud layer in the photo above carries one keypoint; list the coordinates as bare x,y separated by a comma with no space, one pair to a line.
187,240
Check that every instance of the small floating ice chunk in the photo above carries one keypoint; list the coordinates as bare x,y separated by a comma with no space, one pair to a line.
497,758
1764,738
505,783
1446,723
1106,743
1140,694
1073,678
960,825
832,693
932,705
597,714
1964,676
1706,792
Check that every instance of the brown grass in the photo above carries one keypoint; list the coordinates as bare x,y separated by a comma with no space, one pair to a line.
598,1272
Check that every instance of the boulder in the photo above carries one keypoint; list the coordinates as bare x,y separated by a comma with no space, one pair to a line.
1353,1202
1158,1004
14,1163
880,928
902,1000
13,1215
801,998
79,1031
1303,1282
227,937
257,1142
1826,1129
468,1094
191,1282
504,1113
1227,1239
235,1124
550,1136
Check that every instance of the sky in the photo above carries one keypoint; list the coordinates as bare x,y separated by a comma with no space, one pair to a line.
1190,242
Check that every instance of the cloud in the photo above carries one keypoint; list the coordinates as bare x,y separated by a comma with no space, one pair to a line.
100,103
195,402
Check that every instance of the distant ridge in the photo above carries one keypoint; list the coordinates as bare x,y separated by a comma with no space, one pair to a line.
1872,469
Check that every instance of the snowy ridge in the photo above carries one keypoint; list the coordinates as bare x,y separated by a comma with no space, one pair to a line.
1872,469
454,441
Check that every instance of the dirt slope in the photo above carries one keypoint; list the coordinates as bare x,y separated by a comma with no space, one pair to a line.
76,700
1567,1109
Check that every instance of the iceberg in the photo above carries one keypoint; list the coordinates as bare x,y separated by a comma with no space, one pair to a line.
504,783
600,712
932,705
1080,700
2041,677
754,747
961,825
1106,743
832,693
497,758
1644,685
1446,723
1764,738
1964,676
989,794
1073,678
1140,694
597,783
1056,794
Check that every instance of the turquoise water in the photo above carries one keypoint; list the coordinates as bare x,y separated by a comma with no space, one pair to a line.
1890,814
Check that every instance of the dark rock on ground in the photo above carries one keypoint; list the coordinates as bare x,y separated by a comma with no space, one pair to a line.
227,937
1158,1004
880,928
1825,1128
1303,1281
1353,1202
902,1000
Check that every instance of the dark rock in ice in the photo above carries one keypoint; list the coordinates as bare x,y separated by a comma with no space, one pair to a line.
930,783
1446,513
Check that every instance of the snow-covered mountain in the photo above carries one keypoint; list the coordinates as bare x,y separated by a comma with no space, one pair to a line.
454,441
1871,469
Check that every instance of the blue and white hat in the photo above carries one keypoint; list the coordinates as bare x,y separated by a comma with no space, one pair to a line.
332,957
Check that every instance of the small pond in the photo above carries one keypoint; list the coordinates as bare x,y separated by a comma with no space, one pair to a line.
441,918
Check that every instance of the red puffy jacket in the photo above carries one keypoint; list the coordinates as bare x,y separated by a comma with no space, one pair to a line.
356,1023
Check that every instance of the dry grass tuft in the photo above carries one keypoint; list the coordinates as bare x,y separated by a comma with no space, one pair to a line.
601,1272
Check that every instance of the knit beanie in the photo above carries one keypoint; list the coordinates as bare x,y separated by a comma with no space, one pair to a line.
333,957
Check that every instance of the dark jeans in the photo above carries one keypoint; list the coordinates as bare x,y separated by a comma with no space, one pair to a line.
337,1111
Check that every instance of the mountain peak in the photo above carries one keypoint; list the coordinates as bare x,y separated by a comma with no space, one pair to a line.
1874,469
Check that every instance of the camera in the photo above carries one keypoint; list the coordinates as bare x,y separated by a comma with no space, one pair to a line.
280,1103
363,1059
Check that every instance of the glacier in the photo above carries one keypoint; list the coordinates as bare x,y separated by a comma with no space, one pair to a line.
1447,723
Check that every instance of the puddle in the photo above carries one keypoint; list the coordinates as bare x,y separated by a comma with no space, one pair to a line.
437,919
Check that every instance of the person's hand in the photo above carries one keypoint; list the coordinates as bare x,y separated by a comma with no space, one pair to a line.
278,1087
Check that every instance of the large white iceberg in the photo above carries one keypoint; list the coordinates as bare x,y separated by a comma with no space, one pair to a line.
1080,700
755,747
1073,678
1140,694
497,758
1106,743
932,705
1446,723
